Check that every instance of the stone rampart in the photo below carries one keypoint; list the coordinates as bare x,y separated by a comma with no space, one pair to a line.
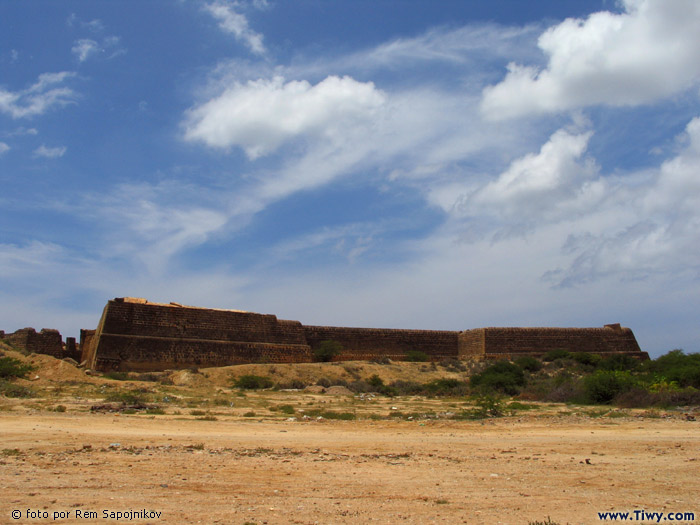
506,342
136,335
374,343
141,336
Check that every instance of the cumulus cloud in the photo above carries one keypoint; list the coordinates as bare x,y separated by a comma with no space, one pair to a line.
237,24
46,93
630,225
4,148
539,184
50,153
261,115
649,51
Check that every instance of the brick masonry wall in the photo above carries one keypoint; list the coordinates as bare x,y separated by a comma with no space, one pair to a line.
129,318
538,341
142,354
48,341
373,343
471,344
140,337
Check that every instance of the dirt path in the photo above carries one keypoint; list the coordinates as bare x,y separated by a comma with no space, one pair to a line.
499,471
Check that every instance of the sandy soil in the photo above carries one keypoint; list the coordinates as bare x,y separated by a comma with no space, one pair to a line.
509,470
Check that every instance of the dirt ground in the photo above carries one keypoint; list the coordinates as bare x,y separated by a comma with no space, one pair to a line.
509,470
204,452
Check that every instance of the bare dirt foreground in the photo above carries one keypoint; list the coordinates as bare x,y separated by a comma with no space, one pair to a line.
511,470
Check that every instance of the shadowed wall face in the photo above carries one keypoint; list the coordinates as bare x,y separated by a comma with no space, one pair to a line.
505,342
373,343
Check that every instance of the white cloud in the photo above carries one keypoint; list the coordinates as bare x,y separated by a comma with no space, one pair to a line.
85,48
538,184
261,115
21,131
4,148
50,153
153,223
628,226
42,96
236,23
18,260
648,52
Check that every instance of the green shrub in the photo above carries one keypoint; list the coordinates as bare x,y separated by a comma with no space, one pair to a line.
252,382
677,366
324,382
446,387
376,381
285,409
131,397
11,368
327,350
417,356
559,353
618,362
603,386
529,363
293,384
586,358
503,377
407,388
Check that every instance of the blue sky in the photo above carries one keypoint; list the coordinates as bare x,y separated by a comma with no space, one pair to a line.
405,164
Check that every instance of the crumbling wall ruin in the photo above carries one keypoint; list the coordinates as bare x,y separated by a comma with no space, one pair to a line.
48,341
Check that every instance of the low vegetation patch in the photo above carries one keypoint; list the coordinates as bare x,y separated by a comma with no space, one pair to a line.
327,350
9,389
253,382
11,368
417,356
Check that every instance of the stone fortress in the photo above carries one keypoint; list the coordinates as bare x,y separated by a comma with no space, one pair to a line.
137,335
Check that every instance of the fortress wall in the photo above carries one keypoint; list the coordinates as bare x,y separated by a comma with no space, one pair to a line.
134,334
144,354
155,320
139,336
372,343
48,341
537,341
472,343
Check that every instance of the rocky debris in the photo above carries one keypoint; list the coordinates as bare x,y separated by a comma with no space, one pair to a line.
120,407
